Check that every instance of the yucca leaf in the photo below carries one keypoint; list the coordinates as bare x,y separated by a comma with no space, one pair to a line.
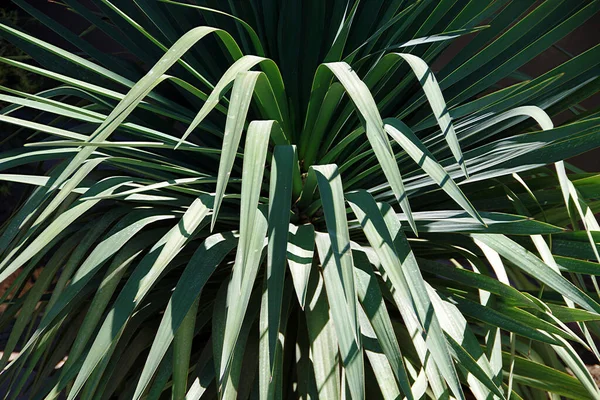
253,229
360,95
271,356
144,86
280,198
377,320
77,60
459,221
61,133
379,363
560,30
330,102
242,95
548,379
476,280
244,64
82,114
134,97
532,265
409,142
586,215
324,352
64,220
109,283
253,36
138,286
335,255
400,265
341,35
464,343
568,354
205,374
437,103
204,261
300,253
34,295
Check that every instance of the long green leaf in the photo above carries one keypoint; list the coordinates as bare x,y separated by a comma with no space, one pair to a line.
409,142
138,286
253,229
335,255
401,266
280,199
438,104
364,102
197,272
523,259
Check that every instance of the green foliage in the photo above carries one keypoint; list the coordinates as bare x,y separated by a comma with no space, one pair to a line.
15,77
280,199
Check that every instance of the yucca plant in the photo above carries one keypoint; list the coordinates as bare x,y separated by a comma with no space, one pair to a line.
278,199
